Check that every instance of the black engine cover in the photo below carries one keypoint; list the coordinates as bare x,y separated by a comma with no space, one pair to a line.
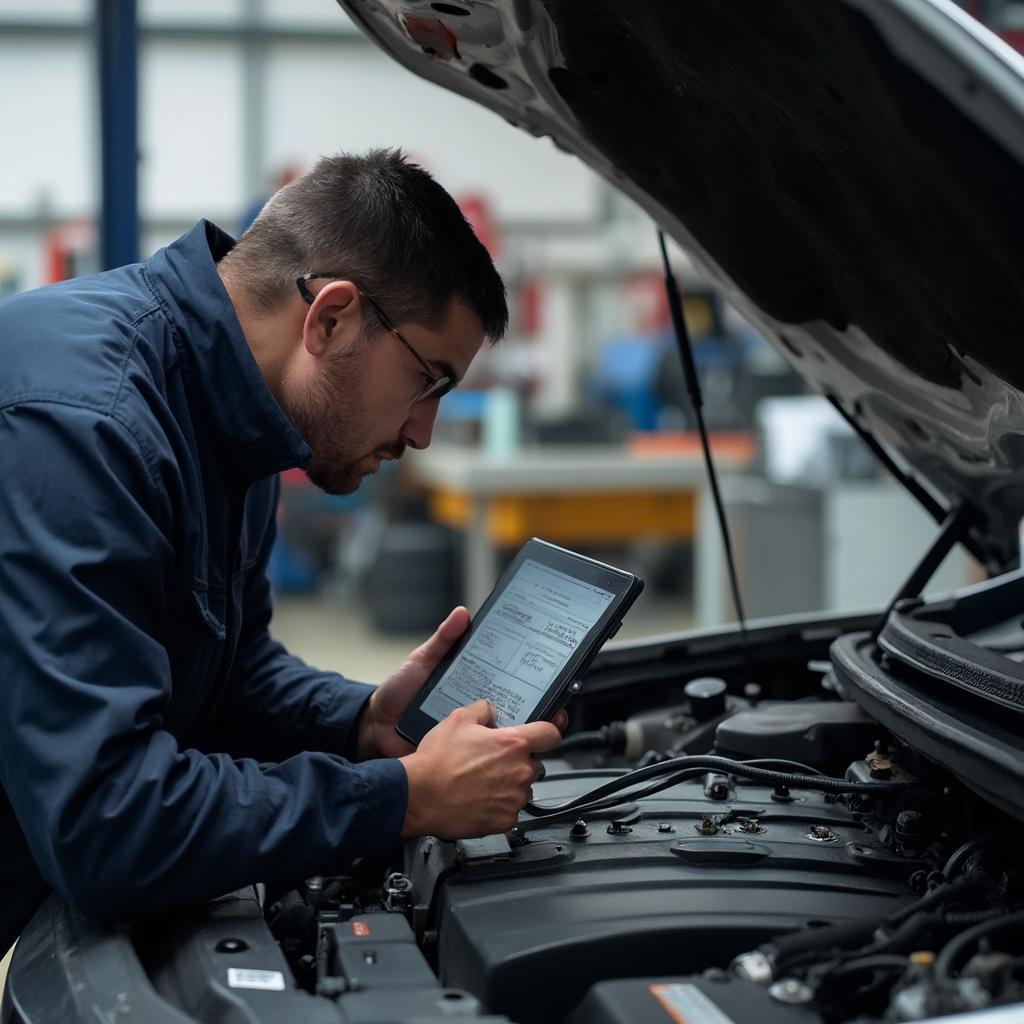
529,929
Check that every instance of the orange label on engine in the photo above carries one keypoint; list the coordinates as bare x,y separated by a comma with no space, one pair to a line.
360,928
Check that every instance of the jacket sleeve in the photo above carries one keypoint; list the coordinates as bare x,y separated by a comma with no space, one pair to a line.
279,704
120,820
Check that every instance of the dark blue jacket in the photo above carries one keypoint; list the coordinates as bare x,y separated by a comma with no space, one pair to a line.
156,746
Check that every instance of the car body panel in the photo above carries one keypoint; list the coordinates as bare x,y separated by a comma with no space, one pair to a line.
846,172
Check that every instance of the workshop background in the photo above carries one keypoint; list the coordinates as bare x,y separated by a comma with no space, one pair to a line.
576,428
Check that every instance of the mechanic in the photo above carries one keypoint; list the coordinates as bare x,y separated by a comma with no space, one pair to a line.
157,747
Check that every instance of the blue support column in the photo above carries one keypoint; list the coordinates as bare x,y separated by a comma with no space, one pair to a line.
117,52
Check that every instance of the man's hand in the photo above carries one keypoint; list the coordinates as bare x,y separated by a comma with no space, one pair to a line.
469,779
377,736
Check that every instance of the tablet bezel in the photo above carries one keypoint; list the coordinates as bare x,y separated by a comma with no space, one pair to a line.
415,724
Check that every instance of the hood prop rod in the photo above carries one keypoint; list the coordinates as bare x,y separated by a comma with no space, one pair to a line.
675,305
931,506
954,527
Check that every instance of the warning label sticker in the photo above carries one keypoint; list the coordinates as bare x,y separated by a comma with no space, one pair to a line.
360,929
686,1004
269,981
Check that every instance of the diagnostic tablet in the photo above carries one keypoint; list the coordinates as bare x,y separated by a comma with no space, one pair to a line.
535,634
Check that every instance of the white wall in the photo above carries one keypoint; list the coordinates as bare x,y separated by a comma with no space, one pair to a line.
190,130
46,120
320,99
320,96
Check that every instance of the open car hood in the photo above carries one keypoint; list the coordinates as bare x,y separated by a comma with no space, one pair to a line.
849,172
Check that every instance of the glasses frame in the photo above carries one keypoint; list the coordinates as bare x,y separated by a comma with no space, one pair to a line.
438,387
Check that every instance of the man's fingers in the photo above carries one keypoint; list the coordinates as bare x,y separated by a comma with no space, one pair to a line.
482,711
431,652
540,736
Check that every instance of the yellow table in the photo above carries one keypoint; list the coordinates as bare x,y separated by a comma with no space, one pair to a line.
568,495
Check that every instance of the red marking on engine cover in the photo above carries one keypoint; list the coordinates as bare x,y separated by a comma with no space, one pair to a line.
433,37
360,928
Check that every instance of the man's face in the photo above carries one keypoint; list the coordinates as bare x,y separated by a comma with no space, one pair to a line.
354,406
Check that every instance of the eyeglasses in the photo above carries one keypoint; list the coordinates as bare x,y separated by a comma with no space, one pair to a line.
436,387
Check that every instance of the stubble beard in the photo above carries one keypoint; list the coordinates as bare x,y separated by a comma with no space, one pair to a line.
334,426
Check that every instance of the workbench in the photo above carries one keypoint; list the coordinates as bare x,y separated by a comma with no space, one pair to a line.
571,495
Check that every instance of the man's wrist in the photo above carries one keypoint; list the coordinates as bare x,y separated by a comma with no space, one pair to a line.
366,748
413,824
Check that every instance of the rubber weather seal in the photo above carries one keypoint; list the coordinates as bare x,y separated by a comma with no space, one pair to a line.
931,646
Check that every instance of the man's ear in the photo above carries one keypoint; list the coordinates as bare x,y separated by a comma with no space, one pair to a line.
334,320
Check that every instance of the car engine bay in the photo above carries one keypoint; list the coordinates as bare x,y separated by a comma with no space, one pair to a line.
774,856
699,849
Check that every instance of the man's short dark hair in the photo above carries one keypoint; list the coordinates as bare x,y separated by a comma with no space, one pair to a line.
385,224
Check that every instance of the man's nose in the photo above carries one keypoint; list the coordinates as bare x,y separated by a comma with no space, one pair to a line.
418,428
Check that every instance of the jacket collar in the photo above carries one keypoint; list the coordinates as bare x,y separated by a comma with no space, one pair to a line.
245,423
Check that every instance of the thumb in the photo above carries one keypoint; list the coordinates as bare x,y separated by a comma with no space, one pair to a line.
431,652
540,736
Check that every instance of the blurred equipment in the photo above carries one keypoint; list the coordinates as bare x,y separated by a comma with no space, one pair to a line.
638,372
413,582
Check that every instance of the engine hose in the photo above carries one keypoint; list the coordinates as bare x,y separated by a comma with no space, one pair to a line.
950,955
899,930
861,964
973,916
611,737
727,766
905,925
936,897
907,935
786,948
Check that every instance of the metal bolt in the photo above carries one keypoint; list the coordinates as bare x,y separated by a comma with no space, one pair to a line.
232,946
315,884
619,828
397,892
665,828
708,826
753,966
716,786
579,829
792,991
516,837
910,823
750,826
821,834
781,794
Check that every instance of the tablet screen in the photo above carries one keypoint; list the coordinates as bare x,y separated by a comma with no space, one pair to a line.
522,643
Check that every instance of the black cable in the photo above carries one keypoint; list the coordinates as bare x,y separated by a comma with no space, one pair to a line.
878,962
939,895
545,817
675,305
596,740
959,917
725,766
609,737
804,769
956,948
